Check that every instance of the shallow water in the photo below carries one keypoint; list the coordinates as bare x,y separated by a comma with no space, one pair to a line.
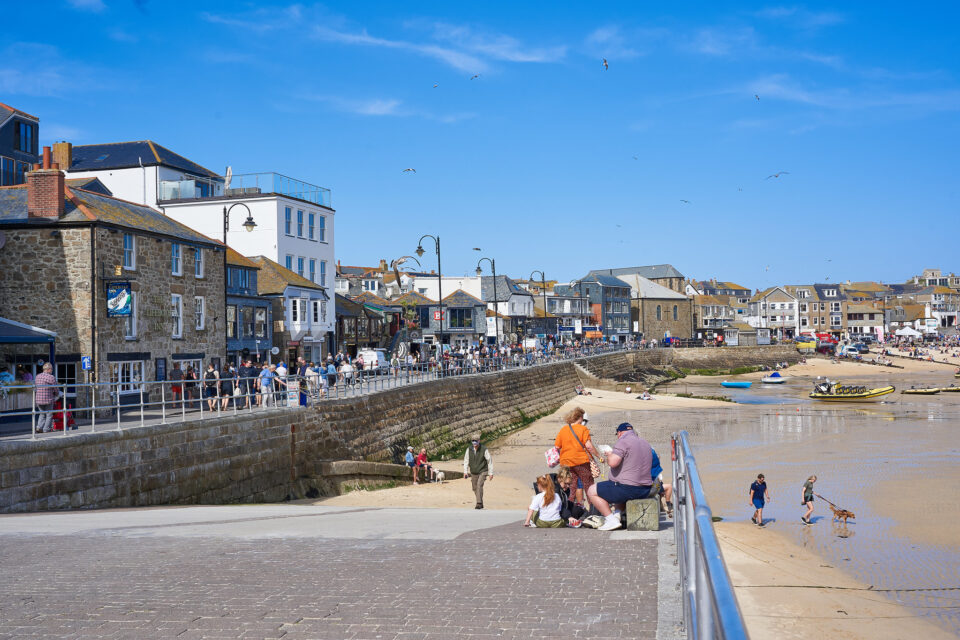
854,449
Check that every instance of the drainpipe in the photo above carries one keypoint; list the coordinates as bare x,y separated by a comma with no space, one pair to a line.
93,304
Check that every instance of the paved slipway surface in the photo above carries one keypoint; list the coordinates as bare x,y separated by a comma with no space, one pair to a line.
304,571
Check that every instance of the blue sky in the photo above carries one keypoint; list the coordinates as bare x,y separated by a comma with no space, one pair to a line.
546,160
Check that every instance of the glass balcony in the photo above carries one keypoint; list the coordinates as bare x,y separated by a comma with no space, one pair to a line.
244,185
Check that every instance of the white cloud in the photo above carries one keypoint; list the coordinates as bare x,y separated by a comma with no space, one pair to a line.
722,42
800,17
122,36
495,46
452,57
610,42
782,87
87,5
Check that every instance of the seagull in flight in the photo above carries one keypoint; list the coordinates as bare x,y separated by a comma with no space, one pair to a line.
777,175
475,76
436,84
686,201
605,65
756,96
406,170
477,249
635,158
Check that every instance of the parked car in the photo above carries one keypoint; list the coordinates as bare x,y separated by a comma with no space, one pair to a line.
861,347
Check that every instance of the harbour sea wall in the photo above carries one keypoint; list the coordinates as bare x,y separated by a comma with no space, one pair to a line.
272,455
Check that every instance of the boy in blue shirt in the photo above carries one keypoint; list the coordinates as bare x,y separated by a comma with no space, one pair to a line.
758,494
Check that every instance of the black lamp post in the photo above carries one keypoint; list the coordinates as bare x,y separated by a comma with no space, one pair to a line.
249,225
420,252
496,303
543,290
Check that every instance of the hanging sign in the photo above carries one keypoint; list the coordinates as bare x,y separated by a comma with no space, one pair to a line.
119,299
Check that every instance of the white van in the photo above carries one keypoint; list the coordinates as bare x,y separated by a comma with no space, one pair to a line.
374,360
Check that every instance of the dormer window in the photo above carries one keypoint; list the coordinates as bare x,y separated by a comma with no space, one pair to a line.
830,293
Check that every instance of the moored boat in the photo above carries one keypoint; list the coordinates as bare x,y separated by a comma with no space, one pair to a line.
950,388
922,392
736,385
824,389
773,378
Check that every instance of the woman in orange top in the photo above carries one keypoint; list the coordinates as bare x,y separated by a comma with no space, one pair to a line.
575,454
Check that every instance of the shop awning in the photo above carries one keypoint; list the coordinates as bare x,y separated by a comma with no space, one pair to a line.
12,332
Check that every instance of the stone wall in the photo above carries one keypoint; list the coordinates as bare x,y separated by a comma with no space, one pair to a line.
617,365
645,313
267,455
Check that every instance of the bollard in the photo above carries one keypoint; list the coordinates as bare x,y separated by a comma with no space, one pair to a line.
163,405
63,407
33,414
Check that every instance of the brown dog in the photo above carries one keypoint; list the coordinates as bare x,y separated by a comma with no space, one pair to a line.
842,514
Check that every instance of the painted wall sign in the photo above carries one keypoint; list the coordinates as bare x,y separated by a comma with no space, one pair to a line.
119,299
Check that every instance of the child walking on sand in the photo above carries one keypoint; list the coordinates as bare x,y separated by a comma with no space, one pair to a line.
758,494
808,499
545,507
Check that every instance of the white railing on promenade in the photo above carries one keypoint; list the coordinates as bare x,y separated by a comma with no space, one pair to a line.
710,608
116,405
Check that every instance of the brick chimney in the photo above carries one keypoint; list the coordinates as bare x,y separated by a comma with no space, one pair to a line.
63,154
45,189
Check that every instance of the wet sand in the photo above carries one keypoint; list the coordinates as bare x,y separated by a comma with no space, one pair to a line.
894,463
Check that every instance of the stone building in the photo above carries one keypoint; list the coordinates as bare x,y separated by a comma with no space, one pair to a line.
118,282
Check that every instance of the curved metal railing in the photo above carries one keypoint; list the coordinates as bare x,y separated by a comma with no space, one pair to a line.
710,608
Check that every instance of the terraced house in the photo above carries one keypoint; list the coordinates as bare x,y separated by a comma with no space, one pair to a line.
116,281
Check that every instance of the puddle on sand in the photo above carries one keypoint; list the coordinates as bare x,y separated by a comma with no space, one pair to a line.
852,449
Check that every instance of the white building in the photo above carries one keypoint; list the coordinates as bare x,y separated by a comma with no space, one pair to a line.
294,219
776,309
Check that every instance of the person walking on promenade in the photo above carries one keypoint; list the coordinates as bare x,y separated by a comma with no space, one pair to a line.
189,385
176,377
808,499
576,447
46,396
211,384
478,466
758,495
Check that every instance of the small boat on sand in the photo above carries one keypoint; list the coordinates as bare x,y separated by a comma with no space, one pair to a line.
950,388
736,385
773,378
824,389
922,392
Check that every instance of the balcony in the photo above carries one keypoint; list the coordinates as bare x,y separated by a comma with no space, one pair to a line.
243,185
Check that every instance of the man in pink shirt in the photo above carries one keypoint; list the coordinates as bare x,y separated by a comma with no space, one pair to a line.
46,395
630,462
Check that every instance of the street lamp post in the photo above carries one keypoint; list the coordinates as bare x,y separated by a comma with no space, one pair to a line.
543,290
249,225
420,252
496,303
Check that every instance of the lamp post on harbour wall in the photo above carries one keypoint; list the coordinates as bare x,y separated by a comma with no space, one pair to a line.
543,290
248,225
420,252
496,305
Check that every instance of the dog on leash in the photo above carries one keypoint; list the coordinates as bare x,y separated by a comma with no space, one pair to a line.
440,477
842,514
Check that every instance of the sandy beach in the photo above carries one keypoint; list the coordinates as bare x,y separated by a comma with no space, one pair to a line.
872,458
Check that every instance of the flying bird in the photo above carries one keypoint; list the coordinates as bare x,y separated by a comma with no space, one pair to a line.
777,175
477,249
687,201
436,84
605,65
635,158
739,188
756,96
475,76
406,170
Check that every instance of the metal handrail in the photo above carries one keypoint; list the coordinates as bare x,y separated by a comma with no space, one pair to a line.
710,608
158,397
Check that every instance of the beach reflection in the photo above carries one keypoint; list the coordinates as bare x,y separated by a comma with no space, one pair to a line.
895,464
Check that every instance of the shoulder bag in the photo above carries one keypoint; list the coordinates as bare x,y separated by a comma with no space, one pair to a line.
594,467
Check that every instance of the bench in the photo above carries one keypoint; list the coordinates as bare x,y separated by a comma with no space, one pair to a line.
643,514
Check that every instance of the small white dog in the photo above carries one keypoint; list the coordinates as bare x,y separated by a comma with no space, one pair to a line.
440,477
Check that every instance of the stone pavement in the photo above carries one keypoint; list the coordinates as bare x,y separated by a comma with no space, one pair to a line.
291,571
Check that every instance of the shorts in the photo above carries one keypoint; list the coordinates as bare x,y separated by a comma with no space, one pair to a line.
176,388
210,392
807,499
757,503
615,493
411,464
